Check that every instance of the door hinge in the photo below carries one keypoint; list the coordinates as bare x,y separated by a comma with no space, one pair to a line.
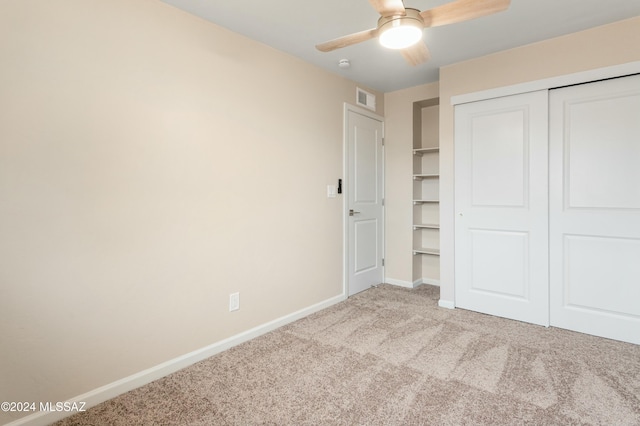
382,141
382,262
383,201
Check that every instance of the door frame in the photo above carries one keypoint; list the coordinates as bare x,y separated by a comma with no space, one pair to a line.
447,266
345,191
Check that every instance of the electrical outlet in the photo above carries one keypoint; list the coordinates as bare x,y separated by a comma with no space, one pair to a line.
234,302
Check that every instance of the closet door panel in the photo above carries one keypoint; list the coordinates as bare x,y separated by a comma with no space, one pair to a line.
501,242
595,208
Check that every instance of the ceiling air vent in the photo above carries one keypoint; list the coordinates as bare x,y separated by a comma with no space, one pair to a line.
365,99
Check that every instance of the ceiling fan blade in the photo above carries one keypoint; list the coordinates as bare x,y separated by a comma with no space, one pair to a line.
462,10
388,7
416,54
348,40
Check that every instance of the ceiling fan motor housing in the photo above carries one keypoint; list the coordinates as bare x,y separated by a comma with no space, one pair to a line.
400,31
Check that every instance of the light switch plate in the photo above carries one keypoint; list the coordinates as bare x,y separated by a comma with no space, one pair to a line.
234,302
331,191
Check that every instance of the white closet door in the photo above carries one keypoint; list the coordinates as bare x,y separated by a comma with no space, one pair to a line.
501,201
595,208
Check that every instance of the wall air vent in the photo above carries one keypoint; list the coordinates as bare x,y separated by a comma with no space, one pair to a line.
365,99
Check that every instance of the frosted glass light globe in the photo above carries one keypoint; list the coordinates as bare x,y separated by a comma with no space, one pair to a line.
400,37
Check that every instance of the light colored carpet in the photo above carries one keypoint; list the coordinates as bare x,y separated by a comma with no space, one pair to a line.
391,356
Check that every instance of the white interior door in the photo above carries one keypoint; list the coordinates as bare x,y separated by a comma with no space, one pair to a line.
365,220
501,229
595,208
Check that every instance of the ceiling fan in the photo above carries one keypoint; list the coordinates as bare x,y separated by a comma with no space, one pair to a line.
401,28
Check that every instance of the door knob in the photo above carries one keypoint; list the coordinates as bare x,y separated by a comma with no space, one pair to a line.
351,212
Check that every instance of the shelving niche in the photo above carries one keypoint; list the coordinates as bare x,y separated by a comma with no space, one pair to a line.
426,184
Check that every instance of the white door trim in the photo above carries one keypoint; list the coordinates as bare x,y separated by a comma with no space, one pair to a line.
550,83
345,205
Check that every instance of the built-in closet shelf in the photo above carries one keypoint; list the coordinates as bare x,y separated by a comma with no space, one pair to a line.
420,151
425,176
429,251
425,173
425,226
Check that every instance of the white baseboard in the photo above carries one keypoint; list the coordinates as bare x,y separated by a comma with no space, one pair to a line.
431,281
409,284
446,304
104,393
401,283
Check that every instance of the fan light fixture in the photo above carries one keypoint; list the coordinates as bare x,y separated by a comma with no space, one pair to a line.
400,31
401,27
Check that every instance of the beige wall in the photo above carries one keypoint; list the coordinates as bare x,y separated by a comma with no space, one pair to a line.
151,164
399,142
430,126
599,47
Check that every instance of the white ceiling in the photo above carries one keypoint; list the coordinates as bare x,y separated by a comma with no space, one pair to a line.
296,27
